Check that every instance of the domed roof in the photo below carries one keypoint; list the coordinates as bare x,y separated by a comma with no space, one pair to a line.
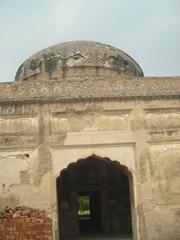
77,58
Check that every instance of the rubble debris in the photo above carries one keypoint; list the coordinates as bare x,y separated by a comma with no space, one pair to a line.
23,223
23,212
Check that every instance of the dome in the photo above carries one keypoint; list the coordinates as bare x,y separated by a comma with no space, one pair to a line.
77,59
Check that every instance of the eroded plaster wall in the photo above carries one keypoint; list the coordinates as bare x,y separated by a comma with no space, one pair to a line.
38,140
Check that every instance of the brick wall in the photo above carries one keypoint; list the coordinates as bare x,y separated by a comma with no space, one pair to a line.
25,228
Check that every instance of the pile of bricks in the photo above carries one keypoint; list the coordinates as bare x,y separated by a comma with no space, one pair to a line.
22,211
24,223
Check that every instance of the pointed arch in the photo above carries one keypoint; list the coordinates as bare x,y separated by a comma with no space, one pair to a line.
69,189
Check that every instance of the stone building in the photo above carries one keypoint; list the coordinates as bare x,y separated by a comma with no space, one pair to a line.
82,122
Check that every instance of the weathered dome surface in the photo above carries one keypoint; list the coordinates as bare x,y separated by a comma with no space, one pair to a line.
77,59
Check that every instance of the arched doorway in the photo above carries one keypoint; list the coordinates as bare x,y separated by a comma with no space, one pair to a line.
94,197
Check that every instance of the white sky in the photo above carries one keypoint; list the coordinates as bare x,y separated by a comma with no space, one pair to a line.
148,30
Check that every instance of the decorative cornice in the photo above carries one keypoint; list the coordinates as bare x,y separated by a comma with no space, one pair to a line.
91,88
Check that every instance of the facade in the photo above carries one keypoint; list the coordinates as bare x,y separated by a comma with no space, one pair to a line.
82,122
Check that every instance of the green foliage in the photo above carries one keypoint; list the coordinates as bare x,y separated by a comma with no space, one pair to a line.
83,205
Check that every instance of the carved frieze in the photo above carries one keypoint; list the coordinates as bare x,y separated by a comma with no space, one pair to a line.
18,126
166,164
93,121
163,119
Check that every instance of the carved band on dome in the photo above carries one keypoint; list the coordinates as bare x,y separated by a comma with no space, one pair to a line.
55,59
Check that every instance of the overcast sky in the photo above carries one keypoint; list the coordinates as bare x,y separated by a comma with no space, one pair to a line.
148,30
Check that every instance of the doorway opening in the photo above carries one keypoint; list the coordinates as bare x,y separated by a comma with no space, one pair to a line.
89,212
94,198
